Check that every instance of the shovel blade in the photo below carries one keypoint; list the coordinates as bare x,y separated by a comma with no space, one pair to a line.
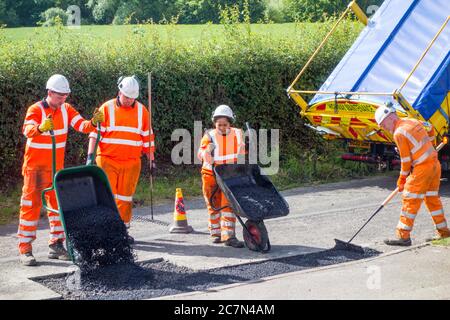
347,246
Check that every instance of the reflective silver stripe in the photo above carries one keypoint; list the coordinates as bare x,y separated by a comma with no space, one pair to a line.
215,226
237,132
27,223
212,134
226,232
146,145
27,233
112,117
413,195
123,198
408,136
65,117
424,157
122,142
226,157
44,145
431,194
145,133
408,215
56,229
404,173
441,225
436,212
25,240
228,214
30,122
27,203
75,120
56,132
403,226
81,127
57,235
140,111
207,165
420,145
406,159
123,129
93,135
227,223
214,216
43,116
53,218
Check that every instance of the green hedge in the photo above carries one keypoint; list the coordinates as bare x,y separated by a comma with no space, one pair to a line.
248,72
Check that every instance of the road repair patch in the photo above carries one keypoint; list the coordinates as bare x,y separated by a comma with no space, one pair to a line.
145,280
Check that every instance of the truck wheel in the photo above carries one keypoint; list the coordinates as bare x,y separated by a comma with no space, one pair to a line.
257,237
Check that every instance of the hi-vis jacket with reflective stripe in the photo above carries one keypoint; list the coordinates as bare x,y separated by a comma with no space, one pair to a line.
125,134
414,144
38,150
226,147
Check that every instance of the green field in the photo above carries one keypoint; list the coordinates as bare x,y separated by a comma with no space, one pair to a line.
184,33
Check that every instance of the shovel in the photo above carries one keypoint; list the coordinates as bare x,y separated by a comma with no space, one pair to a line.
343,245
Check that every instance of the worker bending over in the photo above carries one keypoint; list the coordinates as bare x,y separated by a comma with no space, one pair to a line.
419,176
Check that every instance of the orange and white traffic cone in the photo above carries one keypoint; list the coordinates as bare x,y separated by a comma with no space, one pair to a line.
180,224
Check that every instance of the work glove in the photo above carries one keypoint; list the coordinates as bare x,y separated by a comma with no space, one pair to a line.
47,125
98,117
401,183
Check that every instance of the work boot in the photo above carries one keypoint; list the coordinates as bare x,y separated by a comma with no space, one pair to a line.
216,240
398,242
57,251
234,242
437,237
27,259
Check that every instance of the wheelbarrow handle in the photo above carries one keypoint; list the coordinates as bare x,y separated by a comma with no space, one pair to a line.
44,202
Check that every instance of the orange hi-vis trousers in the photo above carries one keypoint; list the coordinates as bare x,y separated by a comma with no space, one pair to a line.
30,208
123,177
221,223
422,184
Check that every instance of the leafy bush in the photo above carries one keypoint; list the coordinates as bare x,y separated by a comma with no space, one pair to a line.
246,71
53,17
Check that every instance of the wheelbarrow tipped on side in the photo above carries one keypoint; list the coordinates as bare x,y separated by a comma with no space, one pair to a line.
87,210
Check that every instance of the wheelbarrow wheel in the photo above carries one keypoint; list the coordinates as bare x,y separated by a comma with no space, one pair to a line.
257,237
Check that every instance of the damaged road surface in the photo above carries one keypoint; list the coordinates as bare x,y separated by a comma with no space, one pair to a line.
189,262
156,279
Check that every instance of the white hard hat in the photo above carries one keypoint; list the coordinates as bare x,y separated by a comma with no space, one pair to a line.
223,111
129,87
58,83
383,111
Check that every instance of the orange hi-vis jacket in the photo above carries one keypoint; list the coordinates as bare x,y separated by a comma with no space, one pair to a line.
414,144
227,148
38,150
125,134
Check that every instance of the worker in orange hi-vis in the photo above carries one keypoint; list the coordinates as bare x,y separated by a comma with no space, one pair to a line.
125,136
52,113
419,176
221,145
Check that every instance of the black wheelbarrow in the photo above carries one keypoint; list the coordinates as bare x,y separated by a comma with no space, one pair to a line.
251,195
80,189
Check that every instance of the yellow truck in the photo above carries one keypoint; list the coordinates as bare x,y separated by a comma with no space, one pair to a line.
401,56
